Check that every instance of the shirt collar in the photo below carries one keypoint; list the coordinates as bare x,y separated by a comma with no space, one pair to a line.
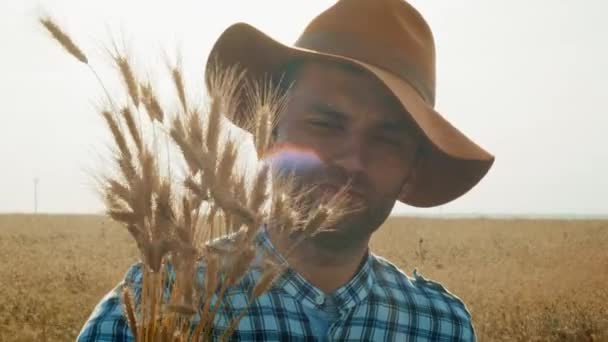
346,297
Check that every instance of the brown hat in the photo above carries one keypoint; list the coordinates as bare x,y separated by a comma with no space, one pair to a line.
391,40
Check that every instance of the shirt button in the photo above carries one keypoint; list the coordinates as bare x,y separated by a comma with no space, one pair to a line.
320,299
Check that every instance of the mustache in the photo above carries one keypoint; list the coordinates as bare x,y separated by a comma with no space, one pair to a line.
308,169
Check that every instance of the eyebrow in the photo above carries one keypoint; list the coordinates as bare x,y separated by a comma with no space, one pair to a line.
396,125
391,125
328,110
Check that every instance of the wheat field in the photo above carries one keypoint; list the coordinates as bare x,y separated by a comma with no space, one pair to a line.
523,280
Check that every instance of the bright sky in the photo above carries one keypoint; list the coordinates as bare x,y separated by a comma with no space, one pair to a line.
527,79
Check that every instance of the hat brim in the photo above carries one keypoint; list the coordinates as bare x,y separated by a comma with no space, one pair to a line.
452,163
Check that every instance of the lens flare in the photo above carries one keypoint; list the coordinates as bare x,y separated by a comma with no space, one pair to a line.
292,159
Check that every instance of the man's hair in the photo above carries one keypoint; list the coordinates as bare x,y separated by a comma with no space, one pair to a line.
288,73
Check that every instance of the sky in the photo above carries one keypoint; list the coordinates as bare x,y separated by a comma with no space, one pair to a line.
527,80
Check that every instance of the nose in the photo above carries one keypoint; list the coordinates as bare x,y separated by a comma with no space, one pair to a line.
351,156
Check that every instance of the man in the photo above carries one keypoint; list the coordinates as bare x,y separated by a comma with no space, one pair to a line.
363,75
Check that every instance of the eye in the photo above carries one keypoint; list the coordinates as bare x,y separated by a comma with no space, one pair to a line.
326,124
388,140
325,118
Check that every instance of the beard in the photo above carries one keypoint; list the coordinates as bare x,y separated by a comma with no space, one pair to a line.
343,237
318,182
351,231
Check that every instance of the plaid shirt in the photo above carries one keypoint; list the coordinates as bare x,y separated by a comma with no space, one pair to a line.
380,303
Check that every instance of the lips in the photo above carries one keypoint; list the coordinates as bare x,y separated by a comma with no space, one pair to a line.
352,196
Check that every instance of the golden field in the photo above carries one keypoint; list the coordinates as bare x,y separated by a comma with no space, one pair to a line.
523,280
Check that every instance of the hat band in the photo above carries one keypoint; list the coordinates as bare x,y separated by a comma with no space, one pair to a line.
348,46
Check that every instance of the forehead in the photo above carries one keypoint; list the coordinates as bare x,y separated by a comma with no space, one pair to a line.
347,86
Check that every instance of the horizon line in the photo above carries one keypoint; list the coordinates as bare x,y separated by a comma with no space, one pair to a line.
470,215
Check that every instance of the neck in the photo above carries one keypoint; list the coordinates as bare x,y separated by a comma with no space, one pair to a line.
326,269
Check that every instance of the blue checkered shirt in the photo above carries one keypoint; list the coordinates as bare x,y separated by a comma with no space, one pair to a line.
380,303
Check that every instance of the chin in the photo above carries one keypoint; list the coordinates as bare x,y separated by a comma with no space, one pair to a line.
351,232
336,241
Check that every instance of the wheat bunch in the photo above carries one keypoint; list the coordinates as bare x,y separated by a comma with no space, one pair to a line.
175,221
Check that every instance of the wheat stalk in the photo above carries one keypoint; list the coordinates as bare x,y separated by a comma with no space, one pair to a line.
176,74
128,77
150,101
175,227
63,39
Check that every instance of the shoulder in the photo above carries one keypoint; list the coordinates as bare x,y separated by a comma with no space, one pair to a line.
390,276
422,298
107,321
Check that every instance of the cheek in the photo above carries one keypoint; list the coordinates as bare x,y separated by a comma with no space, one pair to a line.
290,132
387,177
389,170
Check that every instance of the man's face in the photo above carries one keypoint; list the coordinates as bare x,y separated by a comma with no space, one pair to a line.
359,134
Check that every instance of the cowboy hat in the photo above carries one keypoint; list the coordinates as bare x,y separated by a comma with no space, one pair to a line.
392,42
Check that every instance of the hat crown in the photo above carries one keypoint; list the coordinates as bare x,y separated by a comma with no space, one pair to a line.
388,34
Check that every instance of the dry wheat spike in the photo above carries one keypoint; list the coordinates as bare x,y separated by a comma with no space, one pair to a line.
176,221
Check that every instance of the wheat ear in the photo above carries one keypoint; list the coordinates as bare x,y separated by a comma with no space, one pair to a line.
128,76
127,299
64,39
